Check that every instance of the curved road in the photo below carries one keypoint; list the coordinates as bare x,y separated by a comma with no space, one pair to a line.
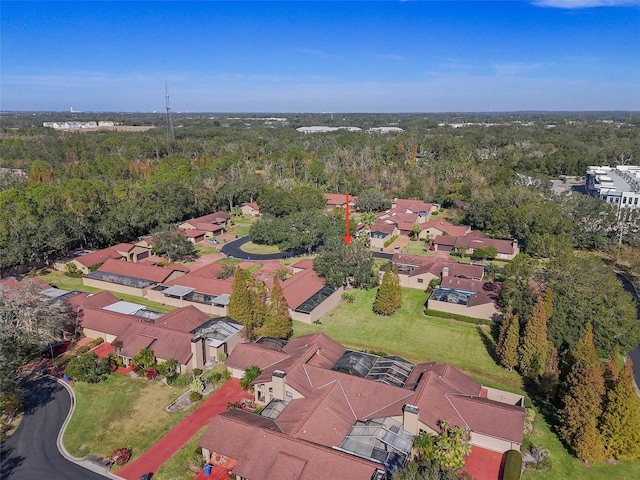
31,453
232,249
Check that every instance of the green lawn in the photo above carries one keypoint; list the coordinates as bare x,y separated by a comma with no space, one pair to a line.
251,247
60,280
411,334
564,466
120,412
418,338
417,247
177,467
241,226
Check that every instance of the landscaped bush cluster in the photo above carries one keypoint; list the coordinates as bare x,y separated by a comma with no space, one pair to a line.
151,373
390,241
348,297
512,466
195,396
536,458
477,321
62,360
120,456
213,377
180,380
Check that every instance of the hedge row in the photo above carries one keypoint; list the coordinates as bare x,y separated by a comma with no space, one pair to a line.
477,321
512,466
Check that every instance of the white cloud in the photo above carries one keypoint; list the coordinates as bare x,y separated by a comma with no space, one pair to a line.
575,4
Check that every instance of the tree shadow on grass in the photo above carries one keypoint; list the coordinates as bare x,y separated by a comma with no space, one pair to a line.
489,344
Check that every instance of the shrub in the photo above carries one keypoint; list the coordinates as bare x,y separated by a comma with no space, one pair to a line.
537,459
120,456
512,466
83,349
195,396
281,274
151,373
390,241
223,357
180,380
214,377
477,321
88,367
197,385
348,297
197,372
226,374
96,341
62,360
168,368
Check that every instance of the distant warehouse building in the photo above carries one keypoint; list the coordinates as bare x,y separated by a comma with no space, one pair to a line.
618,185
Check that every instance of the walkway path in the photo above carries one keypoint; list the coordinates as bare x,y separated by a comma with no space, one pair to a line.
159,453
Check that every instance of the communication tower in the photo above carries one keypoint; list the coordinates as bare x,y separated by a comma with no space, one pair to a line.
169,120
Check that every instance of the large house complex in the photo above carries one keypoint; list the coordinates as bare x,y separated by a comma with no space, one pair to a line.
619,185
416,271
207,226
468,243
328,409
87,260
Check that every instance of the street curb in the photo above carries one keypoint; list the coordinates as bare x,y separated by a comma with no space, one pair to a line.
63,451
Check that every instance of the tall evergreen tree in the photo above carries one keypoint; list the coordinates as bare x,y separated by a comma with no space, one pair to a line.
240,303
620,424
397,290
507,348
386,300
534,346
584,388
277,322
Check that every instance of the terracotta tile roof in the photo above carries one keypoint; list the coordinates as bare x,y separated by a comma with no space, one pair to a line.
137,270
183,319
123,247
9,284
490,417
413,205
165,343
272,455
246,354
99,300
444,226
98,257
475,239
304,264
301,287
383,226
339,199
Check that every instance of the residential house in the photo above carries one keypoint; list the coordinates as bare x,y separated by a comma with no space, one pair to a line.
327,405
88,260
187,335
307,294
471,298
200,288
211,224
381,232
339,200
250,210
131,278
467,244
435,227
416,271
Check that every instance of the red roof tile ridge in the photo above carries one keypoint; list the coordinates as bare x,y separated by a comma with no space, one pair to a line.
401,399
312,410
305,442
446,395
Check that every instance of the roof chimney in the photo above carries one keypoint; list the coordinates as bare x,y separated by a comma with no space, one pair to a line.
410,420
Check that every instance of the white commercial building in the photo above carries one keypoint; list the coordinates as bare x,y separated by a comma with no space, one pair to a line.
619,185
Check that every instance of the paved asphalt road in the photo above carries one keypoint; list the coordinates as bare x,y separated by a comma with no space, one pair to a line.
31,453
232,249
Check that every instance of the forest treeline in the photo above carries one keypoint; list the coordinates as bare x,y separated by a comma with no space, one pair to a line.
93,189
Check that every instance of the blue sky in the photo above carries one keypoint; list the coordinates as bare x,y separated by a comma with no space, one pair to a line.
307,56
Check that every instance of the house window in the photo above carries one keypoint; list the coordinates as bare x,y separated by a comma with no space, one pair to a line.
270,389
502,255
635,201
421,280
624,200
289,395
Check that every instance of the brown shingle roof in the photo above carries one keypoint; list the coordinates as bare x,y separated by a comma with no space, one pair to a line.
247,354
165,343
490,417
413,205
98,257
137,270
444,226
270,455
301,287
99,300
183,319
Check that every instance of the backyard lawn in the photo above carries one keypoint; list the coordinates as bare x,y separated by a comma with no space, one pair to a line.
120,412
411,334
254,248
